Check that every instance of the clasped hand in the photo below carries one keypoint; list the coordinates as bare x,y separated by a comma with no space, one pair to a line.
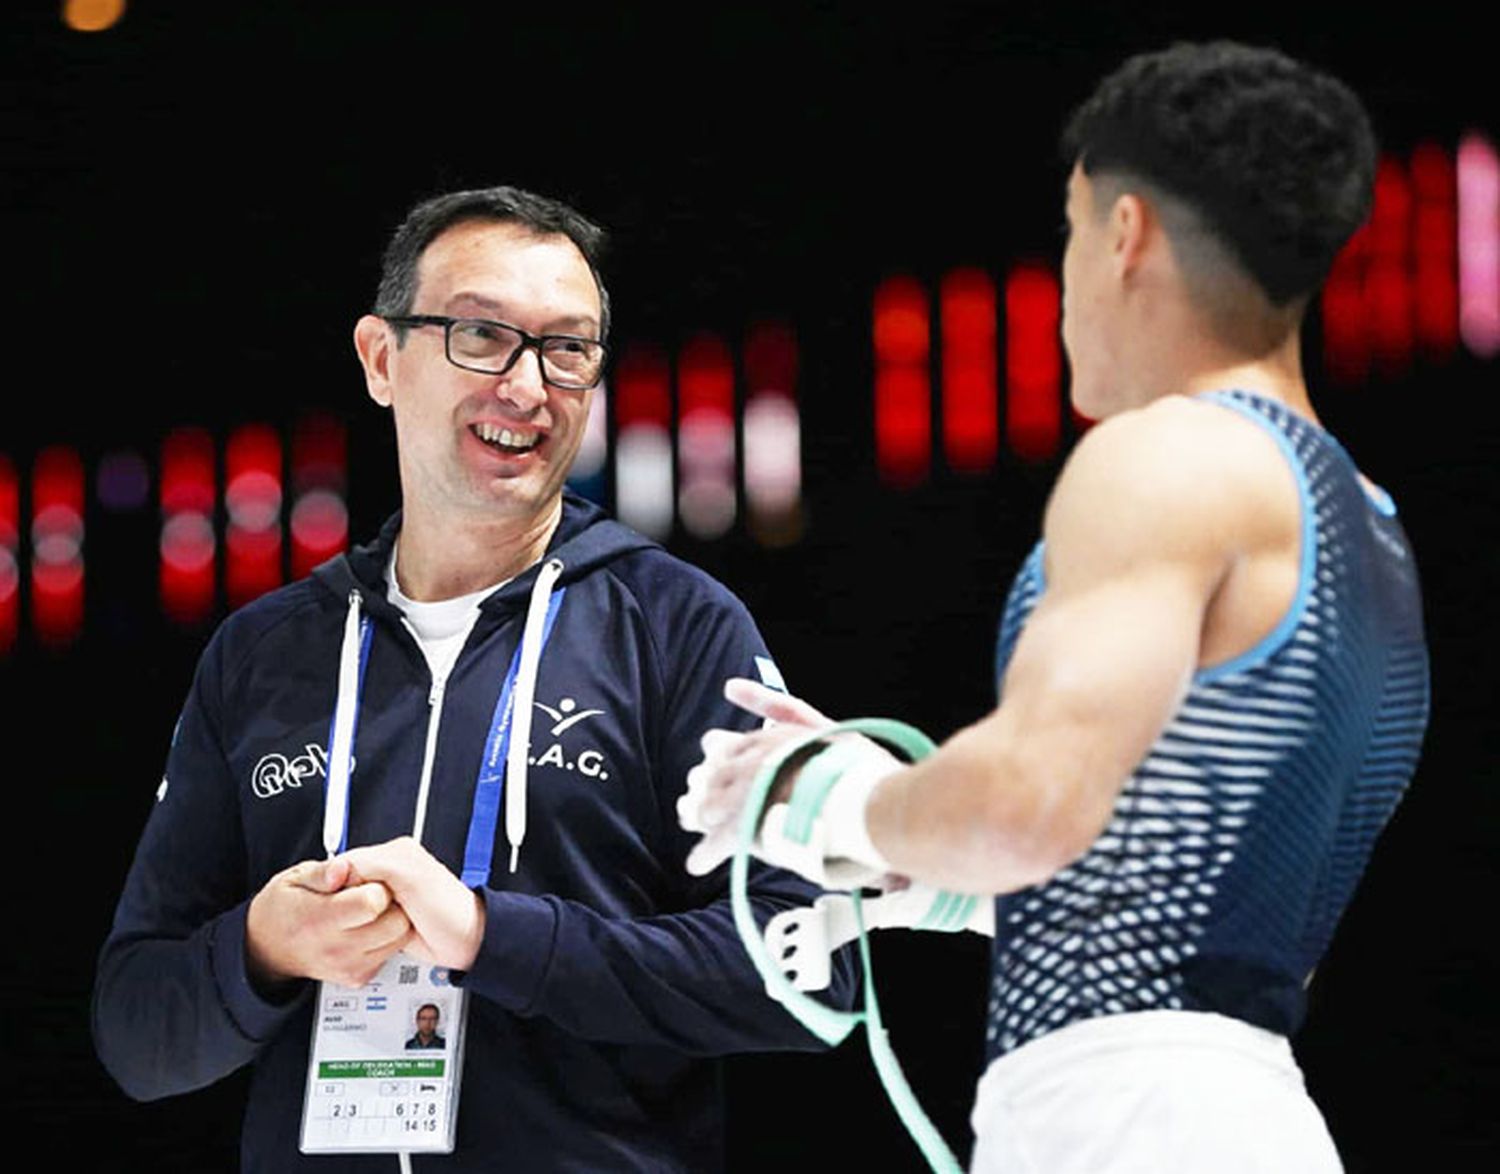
338,920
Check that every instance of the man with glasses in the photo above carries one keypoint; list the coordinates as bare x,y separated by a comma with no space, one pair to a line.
498,700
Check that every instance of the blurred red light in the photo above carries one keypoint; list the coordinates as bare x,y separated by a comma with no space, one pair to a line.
188,544
970,397
641,386
10,600
319,517
187,472
1033,362
1346,353
319,458
1435,250
903,423
705,436
903,383
252,563
902,333
705,377
10,505
770,358
252,500
57,493
1389,306
320,529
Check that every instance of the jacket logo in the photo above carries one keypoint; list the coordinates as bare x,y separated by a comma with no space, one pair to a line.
588,762
563,724
276,772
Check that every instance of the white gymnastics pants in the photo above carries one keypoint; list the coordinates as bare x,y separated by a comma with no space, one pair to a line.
1152,1092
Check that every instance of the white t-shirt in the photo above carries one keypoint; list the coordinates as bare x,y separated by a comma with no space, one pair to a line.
441,626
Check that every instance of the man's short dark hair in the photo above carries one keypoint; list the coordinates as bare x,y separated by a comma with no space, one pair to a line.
433,1007
1276,158
503,205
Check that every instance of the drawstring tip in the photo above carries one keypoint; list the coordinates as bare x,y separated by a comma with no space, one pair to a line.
515,855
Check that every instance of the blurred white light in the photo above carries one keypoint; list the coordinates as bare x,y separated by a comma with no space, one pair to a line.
593,450
773,453
643,479
253,500
187,541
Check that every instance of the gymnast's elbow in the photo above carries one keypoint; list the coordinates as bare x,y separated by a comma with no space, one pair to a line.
1035,824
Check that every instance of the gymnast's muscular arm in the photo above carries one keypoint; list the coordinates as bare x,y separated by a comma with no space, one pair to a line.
1172,542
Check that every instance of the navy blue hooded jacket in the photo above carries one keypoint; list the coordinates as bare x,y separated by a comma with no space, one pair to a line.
607,976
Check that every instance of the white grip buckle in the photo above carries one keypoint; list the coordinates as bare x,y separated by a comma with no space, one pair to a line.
802,941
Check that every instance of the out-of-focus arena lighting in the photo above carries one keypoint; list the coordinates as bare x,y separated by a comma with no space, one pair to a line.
773,435
1346,348
319,516
187,531
57,546
588,473
10,560
1396,287
1388,295
903,383
252,504
705,437
1435,250
1479,245
966,302
92,16
122,481
643,446
1033,363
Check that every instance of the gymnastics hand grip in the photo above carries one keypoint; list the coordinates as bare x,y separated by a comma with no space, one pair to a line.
802,941
829,1025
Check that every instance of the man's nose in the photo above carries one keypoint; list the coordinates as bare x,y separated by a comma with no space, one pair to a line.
522,385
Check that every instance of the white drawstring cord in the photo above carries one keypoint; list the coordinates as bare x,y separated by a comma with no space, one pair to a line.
520,721
336,808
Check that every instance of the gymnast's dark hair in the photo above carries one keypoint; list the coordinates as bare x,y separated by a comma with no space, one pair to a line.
1277,158
539,214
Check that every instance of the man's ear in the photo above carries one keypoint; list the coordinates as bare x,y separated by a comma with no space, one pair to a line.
1131,223
375,342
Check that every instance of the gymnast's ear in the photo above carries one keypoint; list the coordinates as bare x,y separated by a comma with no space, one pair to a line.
1133,225
375,343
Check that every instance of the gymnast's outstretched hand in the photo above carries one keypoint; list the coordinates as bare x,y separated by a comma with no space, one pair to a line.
718,787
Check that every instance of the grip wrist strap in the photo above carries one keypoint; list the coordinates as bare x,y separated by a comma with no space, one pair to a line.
830,1025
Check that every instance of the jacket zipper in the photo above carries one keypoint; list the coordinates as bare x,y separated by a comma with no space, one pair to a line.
434,715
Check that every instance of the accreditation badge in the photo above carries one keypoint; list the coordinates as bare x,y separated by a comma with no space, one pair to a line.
386,1061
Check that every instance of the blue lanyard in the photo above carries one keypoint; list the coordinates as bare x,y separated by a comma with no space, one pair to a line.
489,788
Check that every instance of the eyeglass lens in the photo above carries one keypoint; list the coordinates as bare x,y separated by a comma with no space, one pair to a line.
492,346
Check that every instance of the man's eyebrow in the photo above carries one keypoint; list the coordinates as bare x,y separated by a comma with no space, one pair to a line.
579,322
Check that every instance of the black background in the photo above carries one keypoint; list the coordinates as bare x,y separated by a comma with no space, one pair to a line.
195,203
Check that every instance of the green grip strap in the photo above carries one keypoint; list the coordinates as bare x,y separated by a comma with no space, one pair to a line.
814,781
828,1024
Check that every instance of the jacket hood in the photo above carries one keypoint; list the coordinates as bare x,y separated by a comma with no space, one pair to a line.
586,538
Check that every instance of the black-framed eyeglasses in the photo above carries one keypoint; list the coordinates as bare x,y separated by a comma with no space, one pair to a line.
492,348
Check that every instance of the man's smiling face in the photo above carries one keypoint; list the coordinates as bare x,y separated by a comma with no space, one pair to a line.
495,445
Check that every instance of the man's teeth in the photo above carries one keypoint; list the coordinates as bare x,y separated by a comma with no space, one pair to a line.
516,438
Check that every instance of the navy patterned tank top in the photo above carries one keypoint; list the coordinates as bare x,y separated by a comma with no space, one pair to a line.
1237,842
